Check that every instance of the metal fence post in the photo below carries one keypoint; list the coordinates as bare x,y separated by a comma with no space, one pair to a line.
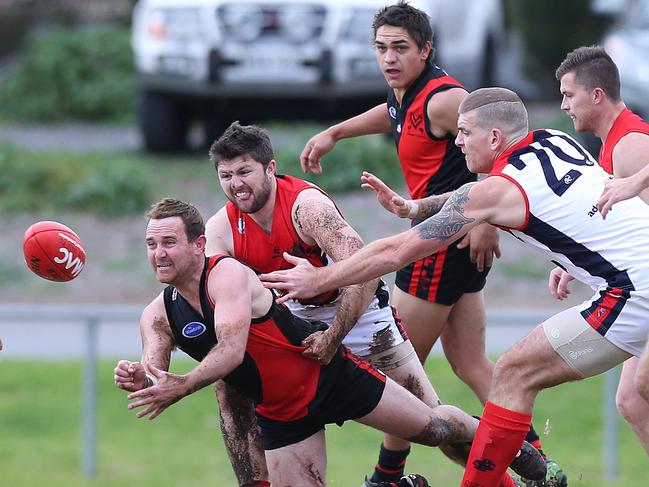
89,419
611,424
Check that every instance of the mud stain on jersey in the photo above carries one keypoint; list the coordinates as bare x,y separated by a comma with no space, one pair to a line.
381,341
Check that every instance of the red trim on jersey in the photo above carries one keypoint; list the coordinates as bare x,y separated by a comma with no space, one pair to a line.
527,202
625,123
605,306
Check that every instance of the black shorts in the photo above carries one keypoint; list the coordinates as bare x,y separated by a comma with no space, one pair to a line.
442,277
356,389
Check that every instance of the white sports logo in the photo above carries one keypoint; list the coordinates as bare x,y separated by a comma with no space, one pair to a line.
67,259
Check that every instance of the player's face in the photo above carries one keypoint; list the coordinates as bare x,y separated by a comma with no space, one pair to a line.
577,102
398,56
475,144
245,182
170,254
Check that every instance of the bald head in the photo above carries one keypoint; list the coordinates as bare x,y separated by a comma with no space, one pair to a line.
497,107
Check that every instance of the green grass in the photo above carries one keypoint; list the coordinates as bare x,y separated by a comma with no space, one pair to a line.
40,404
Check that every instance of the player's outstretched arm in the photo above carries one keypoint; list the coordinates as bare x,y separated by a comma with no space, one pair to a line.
616,190
230,289
374,121
458,216
403,208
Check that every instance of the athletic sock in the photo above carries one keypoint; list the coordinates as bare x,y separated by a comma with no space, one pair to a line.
507,481
497,441
390,466
533,439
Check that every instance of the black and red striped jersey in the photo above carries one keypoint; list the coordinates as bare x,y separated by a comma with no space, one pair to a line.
430,164
274,374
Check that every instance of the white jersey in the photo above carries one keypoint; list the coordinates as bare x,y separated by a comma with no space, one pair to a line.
561,184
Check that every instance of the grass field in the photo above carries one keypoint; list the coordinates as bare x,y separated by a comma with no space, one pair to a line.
40,404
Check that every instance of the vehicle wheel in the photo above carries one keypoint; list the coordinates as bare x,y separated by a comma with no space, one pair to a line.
164,122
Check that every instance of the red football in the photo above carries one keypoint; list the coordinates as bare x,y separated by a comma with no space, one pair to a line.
53,251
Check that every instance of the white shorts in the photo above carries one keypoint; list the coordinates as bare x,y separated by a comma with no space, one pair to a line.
376,331
621,316
581,347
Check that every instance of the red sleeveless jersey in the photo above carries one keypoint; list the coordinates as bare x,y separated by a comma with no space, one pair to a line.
263,251
430,164
625,123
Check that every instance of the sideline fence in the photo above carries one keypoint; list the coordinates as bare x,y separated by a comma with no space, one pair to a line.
91,317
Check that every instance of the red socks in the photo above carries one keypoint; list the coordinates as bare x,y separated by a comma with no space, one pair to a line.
496,443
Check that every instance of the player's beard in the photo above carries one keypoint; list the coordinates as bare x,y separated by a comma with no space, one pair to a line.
259,199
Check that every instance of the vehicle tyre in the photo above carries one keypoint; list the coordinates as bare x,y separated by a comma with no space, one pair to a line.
164,122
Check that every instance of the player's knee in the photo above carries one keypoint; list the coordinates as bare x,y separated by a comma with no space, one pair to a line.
512,370
642,385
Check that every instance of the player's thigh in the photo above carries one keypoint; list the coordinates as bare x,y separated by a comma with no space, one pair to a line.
642,374
398,413
464,334
302,463
411,375
423,320
579,345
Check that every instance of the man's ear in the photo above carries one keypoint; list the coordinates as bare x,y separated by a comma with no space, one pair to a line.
425,51
495,138
271,167
200,243
598,95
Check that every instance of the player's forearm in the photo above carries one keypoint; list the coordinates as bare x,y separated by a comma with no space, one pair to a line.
372,261
373,121
353,303
430,205
218,363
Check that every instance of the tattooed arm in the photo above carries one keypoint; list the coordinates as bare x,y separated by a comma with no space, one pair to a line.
317,221
494,200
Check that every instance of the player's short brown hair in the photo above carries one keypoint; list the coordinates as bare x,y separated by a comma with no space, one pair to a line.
188,213
593,68
242,140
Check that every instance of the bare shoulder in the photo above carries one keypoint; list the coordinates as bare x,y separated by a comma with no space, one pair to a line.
155,312
442,110
500,201
629,154
218,233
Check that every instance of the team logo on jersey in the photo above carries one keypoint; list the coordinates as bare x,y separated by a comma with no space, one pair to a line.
415,120
399,128
193,329
241,225
393,112
174,294
567,180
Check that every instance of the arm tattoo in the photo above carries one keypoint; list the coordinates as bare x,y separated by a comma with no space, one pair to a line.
432,205
450,220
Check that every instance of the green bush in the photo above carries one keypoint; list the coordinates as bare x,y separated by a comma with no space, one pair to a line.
550,29
106,185
343,166
81,74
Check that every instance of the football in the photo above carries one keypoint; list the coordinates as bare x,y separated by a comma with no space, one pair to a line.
53,251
